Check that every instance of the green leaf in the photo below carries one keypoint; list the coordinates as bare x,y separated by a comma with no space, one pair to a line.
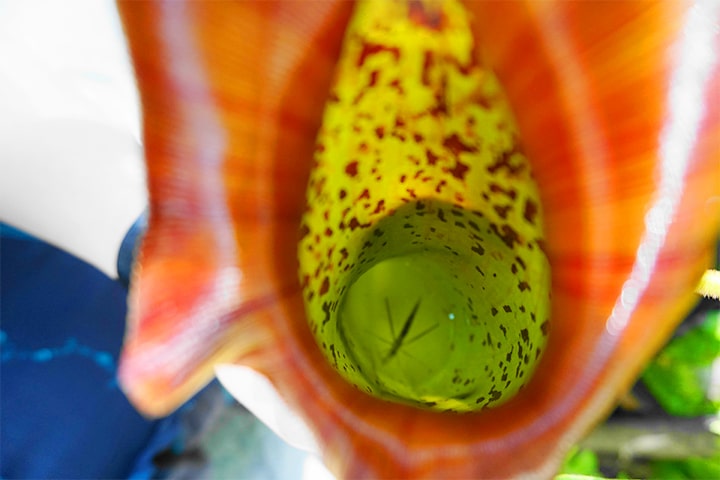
574,476
680,377
580,463
690,468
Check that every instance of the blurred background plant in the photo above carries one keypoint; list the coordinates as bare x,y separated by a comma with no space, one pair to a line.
668,426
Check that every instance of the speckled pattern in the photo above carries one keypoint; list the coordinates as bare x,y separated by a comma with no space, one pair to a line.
418,156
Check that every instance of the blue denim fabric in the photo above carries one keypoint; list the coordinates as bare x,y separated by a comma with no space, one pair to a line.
62,414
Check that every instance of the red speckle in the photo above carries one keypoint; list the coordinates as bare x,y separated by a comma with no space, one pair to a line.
380,132
456,145
365,194
412,193
483,101
363,147
399,136
328,232
508,235
344,254
502,210
373,78
326,214
396,85
530,211
459,170
545,327
495,188
380,206
431,157
503,160
427,64
343,194
417,137
319,185
373,49
440,186
440,108
324,287
472,63
352,168
354,223
402,178
304,230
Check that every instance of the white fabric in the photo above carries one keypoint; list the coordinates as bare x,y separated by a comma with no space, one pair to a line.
70,157
259,396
